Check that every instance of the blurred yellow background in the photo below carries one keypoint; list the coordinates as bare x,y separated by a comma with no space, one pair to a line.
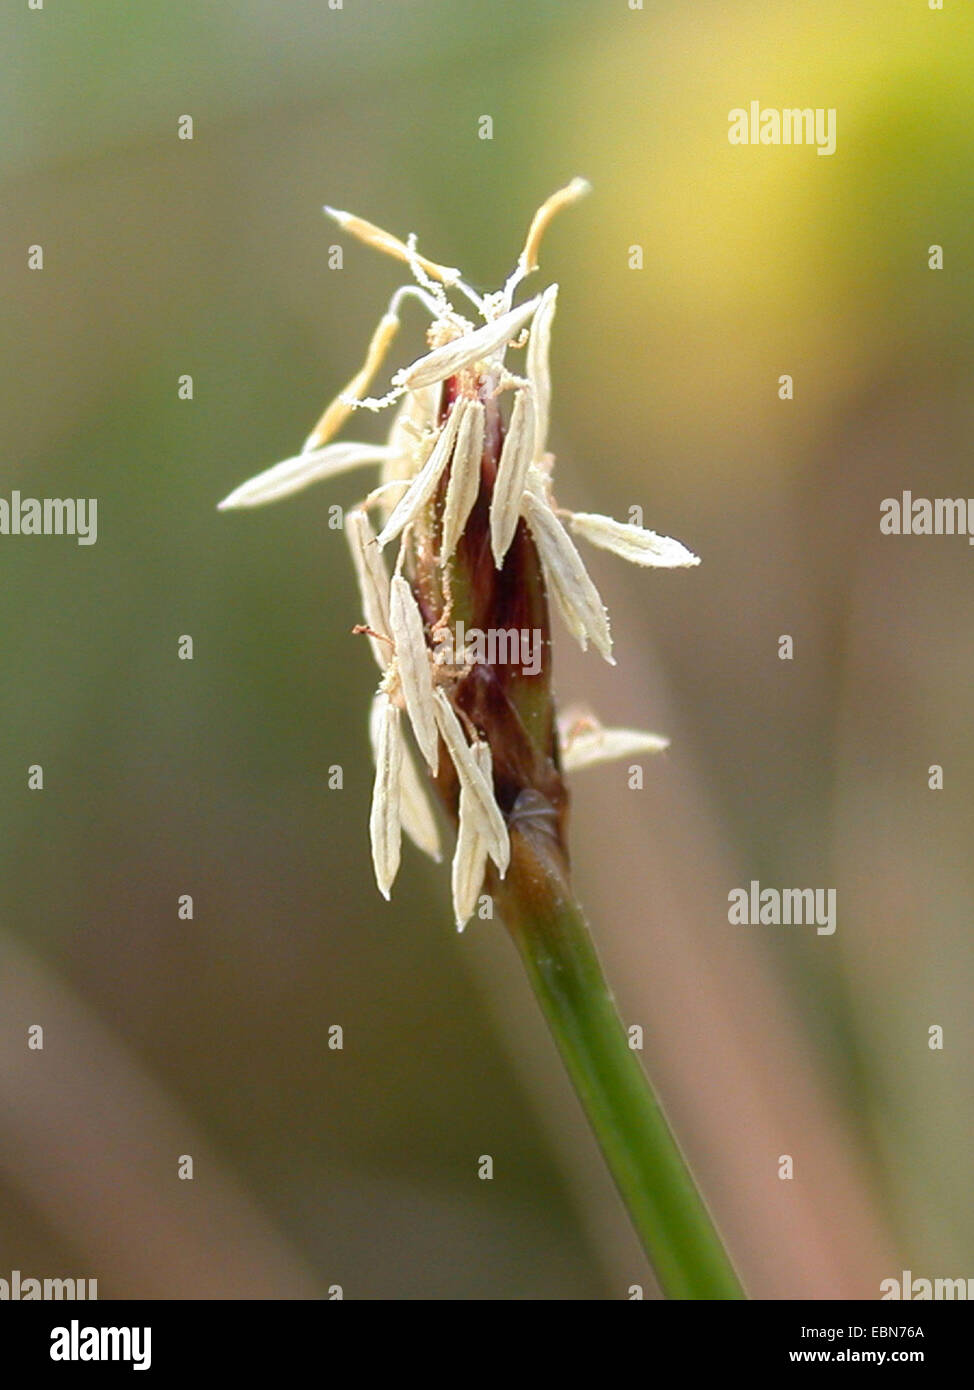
316,1167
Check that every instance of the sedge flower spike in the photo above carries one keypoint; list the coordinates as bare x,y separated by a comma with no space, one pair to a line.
461,537
458,549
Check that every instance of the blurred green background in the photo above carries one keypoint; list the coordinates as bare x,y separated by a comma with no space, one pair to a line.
316,1167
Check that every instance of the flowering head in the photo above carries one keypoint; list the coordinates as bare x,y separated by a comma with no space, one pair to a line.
459,621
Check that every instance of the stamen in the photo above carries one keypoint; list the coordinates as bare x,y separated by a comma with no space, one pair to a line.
429,303
444,309
346,401
391,245
528,259
571,193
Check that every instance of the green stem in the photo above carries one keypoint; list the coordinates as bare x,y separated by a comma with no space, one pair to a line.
551,934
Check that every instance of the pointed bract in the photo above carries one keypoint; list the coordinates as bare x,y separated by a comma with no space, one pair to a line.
413,666
589,746
484,810
632,543
373,581
568,580
415,807
480,343
539,370
414,419
385,825
516,455
416,810
464,484
470,858
291,475
423,486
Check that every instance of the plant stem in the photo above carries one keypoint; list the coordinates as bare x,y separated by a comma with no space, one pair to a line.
666,1209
